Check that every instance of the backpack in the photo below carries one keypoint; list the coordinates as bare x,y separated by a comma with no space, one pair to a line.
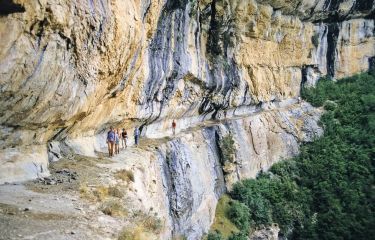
111,136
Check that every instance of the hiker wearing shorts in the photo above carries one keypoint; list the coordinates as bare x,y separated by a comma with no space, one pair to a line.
110,141
124,138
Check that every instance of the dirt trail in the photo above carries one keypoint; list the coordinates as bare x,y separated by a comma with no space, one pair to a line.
72,202
59,207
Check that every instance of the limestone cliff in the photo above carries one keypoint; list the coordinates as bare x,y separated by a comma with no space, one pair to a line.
70,69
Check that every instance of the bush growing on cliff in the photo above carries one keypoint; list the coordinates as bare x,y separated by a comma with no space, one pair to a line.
317,96
238,236
222,223
215,236
227,147
327,191
271,199
239,214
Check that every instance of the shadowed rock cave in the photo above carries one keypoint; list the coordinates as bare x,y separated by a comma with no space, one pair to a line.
9,7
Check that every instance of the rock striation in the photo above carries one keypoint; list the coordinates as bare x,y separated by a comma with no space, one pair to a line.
70,69
196,172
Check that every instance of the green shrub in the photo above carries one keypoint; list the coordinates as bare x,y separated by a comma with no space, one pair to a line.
258,205
227,147
239,214
330,105
327,191
222,223
215,236
238,236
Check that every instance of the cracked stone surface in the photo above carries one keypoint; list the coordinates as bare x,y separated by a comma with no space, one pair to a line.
71,69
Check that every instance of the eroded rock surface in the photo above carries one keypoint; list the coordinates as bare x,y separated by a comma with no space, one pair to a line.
70,69
180,178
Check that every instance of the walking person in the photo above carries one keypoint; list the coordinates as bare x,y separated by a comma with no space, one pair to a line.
110,141
174,127
124,138
117,141
136,135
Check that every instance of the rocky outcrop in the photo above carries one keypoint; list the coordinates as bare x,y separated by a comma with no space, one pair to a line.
188,173
269,233
70,69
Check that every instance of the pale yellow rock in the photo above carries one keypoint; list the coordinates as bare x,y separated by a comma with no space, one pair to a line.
357,44
80,65
70,69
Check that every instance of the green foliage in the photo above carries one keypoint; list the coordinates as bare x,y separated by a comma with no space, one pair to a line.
215,236
239,214
330,105
327,192
238,236
318,95
222,223
228,148
270,199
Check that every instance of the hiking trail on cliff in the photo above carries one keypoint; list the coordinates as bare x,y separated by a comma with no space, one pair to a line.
96,197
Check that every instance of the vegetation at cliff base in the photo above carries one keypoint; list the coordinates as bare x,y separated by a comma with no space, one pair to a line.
327,192
222,223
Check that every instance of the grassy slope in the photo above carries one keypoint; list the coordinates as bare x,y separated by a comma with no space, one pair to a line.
221,223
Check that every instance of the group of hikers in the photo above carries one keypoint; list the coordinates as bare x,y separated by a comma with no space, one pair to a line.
114,137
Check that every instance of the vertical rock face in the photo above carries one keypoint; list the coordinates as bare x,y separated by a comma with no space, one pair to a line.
194,182
195,172
70,69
